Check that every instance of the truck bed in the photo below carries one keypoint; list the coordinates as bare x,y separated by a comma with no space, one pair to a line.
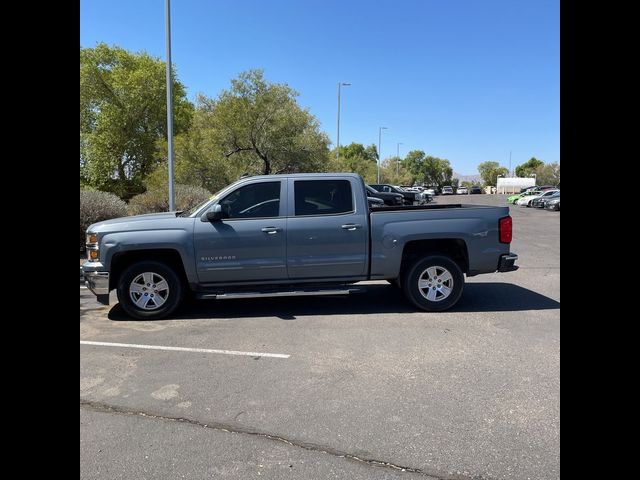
475,227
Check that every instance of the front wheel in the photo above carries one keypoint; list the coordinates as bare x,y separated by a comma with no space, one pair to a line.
149,290
434,283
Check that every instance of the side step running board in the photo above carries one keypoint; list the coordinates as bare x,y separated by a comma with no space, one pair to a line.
288,293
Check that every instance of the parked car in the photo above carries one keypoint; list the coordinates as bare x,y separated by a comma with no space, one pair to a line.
375,202
389,198
527,199
475,190
553,203
421,196
540,201
518,196
293,235
410,198
431,191
447,190
462,191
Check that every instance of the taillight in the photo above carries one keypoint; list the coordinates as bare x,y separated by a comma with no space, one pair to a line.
505,227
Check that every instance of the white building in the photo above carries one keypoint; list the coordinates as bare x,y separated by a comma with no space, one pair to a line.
514,184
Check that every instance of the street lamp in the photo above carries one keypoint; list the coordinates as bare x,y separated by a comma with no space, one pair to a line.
379,152
340,84
167,18
398,156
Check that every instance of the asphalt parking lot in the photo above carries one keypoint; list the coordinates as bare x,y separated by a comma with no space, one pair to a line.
360,387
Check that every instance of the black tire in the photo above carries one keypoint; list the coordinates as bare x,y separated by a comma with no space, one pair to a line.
443,299
159,302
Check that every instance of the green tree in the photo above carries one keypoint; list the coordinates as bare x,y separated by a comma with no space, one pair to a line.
157,199
548,174
354,150
489,172
199,159
392,172
529,167
432,171
122,116
262,128
356,158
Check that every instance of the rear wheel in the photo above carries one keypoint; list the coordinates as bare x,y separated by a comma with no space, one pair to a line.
433,283
149,290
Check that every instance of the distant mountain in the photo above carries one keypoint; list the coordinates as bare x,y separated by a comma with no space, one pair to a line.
467,178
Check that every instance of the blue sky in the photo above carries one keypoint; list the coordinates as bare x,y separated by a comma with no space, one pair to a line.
460,79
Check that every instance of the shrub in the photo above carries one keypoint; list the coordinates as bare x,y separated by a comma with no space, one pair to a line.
157,199
96,206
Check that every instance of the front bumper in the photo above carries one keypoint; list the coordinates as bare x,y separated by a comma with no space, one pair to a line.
506,262
96,278
97,282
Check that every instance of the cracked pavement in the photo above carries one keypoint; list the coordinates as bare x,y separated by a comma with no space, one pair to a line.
372,386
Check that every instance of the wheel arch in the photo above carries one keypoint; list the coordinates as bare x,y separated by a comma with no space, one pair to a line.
455,248
122,260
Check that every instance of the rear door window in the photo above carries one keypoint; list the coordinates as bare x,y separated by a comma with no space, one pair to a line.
323,197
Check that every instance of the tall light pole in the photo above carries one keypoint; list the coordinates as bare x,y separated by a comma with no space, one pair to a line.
340,84
379,152
167,14
398,155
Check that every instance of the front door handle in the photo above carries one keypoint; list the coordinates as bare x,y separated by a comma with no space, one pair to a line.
351,226
271,230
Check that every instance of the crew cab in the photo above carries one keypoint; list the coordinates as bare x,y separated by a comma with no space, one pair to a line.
294,234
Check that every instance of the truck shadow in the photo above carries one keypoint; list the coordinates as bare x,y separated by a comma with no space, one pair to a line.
477,297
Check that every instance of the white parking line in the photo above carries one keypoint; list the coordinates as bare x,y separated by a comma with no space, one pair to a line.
82,286
184,349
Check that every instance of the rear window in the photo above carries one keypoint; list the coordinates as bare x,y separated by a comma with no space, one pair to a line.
322,197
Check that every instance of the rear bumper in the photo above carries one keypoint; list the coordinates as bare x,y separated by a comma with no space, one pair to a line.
507,262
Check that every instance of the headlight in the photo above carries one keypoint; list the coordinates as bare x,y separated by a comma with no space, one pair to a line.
93,254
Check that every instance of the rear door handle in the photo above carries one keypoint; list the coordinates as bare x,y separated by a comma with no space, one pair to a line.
351,226
271,230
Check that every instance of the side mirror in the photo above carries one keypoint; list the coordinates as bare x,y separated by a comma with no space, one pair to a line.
214,215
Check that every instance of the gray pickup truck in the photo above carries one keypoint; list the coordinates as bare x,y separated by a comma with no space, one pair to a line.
289,235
